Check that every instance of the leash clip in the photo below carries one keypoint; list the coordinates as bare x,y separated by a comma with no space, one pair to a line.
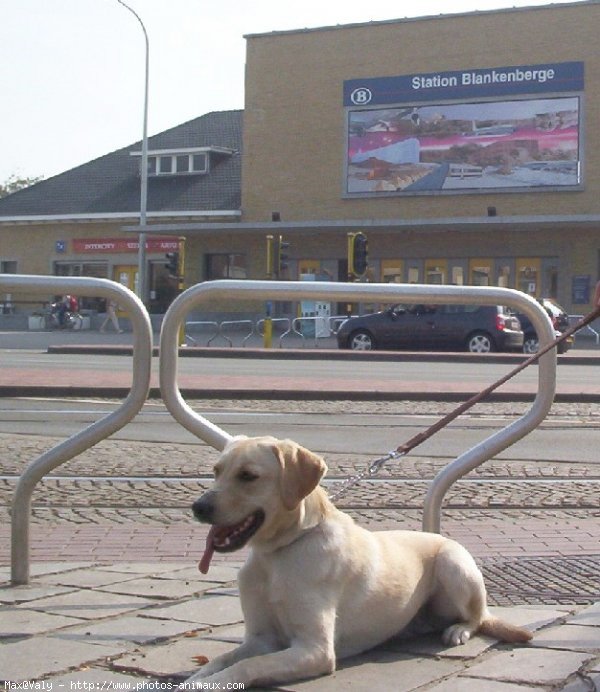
376,465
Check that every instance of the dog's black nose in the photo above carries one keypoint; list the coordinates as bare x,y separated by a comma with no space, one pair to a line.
203,508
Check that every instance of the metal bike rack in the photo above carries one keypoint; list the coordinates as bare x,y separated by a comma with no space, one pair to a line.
291,330
575,318
285,321
202,323
392,293
231,323
335,322
298,322
86,438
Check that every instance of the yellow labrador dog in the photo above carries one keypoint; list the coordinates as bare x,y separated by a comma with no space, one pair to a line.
317,587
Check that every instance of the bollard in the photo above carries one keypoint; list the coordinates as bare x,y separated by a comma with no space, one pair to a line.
268,333
268,326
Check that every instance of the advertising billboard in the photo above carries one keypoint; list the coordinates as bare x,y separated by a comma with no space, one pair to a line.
477,130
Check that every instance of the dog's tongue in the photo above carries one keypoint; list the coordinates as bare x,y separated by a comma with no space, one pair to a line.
208,551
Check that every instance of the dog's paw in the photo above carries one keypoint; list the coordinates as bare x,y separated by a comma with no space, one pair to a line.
198,676
457,634
218,681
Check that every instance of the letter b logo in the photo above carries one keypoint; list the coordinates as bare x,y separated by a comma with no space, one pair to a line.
361,96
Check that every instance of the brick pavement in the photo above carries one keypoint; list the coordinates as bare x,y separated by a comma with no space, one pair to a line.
172,536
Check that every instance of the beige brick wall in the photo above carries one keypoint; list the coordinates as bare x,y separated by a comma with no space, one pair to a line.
294,117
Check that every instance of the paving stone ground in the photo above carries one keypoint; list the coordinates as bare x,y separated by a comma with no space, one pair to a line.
142,623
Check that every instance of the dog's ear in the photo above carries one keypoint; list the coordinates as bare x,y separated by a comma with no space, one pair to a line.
301,471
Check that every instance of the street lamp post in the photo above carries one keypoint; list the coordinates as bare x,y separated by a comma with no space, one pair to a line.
142,287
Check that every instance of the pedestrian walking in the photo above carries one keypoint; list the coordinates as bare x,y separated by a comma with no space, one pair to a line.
111,316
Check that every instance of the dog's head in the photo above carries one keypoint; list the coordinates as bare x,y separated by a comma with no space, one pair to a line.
259,484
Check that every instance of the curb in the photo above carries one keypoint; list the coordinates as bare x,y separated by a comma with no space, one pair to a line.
303,393
13,391
325,354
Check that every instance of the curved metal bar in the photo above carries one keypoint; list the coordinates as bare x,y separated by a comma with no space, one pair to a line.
231,323
335,322
575,318
292,330
392,293
297,326
141,369
274,320
513,432
260,324
202,324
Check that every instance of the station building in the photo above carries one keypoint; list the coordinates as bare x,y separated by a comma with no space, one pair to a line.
73,224
465,147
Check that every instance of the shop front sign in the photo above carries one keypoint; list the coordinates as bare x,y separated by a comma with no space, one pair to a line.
121,245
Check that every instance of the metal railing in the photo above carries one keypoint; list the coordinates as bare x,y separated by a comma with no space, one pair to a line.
285,321
220,328
291,326
392,293
236,323
573,319
201,323
102,428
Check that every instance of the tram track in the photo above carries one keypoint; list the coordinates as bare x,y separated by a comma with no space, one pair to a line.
135,474
496,493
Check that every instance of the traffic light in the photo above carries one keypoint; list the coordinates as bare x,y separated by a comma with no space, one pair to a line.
172,264
281,256
358,254
270,267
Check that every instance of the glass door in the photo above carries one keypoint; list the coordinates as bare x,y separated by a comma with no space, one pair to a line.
480,272
435,271
528,271
391,271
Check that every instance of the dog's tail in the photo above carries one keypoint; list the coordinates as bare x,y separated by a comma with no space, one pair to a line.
504,631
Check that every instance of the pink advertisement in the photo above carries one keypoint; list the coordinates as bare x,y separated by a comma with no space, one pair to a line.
510,145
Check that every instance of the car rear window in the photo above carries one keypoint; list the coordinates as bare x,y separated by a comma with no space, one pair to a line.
459,309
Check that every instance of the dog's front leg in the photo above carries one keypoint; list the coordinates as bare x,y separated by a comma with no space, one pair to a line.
297,662
312,653
255,646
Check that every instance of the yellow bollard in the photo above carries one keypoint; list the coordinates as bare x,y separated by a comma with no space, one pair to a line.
268,333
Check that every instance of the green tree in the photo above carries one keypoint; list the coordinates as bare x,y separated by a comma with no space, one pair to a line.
15,183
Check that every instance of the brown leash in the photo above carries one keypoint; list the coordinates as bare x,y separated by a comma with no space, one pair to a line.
403,449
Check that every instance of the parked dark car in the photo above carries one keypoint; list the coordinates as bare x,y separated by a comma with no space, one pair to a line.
475,328
560,322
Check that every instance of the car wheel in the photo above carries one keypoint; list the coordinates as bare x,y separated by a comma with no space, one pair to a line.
361,340
530,345
480,342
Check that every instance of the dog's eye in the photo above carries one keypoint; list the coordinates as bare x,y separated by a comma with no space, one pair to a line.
247,476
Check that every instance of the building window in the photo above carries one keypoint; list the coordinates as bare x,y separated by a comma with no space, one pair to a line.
480,272
391,271
8,267
225,266
165,165
182,162
199,163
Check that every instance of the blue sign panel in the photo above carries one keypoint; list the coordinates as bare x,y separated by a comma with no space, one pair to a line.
465,84
580,289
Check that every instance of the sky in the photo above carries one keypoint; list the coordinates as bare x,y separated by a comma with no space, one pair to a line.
73,71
